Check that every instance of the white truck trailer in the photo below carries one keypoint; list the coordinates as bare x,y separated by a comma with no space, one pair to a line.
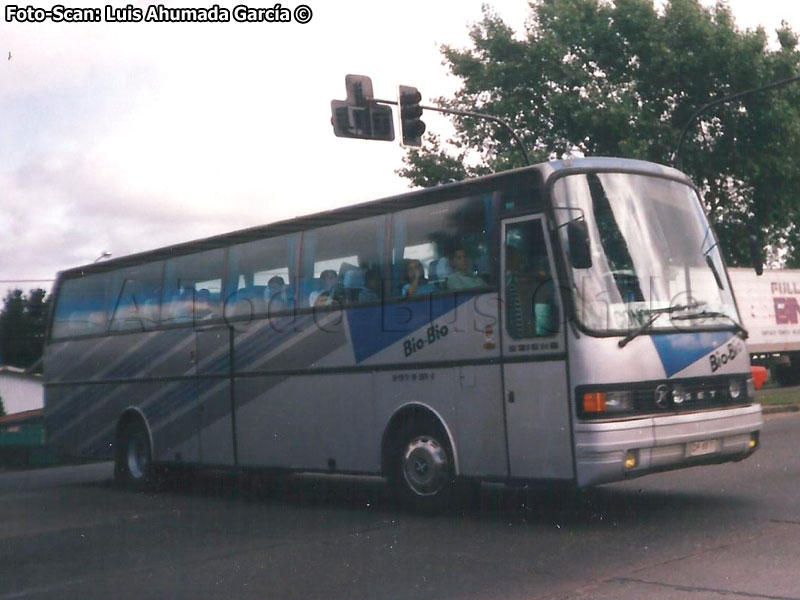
770,309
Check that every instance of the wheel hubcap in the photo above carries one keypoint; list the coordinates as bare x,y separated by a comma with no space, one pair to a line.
138,456
425,466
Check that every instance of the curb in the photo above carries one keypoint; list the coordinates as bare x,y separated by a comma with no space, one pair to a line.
780,408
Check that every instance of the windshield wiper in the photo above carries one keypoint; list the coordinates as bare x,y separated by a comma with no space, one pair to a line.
670,309
709,260
654,314
703,314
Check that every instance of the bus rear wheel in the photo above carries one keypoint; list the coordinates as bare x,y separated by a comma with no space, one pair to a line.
422,475
134,457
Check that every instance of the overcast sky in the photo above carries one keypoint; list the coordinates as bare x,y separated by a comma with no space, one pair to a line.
124,137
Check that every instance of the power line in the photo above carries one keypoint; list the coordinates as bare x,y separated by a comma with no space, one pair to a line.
25,280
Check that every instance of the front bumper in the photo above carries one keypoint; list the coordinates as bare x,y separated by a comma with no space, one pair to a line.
663,442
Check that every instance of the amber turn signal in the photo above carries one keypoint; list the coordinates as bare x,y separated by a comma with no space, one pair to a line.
594,402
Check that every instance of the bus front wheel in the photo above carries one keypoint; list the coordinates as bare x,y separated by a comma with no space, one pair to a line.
134,459
422,475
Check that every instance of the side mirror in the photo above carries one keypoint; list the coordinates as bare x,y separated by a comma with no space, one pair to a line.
578,241
755,251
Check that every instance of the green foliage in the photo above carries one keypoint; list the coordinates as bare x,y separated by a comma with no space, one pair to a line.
598,78
23,320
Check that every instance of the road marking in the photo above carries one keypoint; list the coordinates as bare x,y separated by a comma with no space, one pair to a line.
42,590
691,588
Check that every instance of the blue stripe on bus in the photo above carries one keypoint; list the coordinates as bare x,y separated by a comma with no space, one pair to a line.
679,350
180,394
177,395
248,350
133,362
103,446
57,420
68,410
375,328
139,360
372,329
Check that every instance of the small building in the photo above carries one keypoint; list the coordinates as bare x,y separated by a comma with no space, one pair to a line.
20,390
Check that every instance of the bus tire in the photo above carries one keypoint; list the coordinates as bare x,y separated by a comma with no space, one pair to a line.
133,465
421,473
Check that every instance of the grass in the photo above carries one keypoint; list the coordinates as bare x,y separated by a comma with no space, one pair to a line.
779,396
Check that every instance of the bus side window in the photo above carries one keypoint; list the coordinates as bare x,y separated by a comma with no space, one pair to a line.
342,264
192,287
261,277
442,247
137,303
82,306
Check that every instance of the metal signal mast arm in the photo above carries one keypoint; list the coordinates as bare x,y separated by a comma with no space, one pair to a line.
676,157
468,113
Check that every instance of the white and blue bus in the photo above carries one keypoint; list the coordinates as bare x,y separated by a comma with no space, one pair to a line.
570,322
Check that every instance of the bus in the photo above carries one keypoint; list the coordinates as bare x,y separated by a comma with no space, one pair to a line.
570,322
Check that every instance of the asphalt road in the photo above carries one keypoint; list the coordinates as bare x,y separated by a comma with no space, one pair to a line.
730,531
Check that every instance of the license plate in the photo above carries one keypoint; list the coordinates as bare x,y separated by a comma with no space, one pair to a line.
702,447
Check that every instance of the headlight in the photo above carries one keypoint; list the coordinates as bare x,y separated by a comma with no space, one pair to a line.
611,402
751,388
679,394
734,389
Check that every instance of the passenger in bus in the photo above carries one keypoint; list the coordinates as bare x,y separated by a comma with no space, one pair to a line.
372,286
180,307
463,277
530,303
545,304
246,301
203,307
416,281
277,295
326,295
276,286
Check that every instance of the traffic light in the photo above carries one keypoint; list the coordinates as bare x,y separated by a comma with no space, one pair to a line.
360,116
411,126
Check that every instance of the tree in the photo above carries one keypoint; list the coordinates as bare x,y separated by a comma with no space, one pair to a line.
23,320
598,78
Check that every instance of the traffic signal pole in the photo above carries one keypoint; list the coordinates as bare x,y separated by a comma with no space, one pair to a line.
361,116
477,115
677,159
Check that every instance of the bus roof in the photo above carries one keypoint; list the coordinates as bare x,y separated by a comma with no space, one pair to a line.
539,173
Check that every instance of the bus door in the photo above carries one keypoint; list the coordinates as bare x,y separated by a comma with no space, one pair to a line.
533,354
212,388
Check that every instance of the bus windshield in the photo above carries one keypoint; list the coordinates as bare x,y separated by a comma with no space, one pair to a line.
652,251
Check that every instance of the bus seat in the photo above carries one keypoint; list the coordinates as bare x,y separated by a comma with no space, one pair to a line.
179,308
399,277
439,270
354,284
204,305
354,278
283,300
302,294
246,301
